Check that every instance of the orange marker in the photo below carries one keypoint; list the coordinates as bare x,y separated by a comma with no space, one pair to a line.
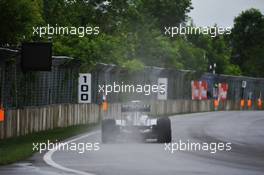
249,103
105,106
216,104
242,103
259,103
2,114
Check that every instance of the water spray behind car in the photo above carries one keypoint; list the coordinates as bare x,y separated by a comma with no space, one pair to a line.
135,125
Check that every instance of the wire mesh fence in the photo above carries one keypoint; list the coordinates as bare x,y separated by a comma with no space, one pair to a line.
20,89
179,83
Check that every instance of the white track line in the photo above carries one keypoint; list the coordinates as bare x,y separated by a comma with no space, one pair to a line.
48,156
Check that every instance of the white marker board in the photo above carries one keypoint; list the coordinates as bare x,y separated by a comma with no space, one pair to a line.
164,94
84,88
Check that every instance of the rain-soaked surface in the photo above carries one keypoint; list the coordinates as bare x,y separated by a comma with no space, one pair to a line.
244,130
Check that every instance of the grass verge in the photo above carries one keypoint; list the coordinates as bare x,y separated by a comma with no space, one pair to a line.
20,148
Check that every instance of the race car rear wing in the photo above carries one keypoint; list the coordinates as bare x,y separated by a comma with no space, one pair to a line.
135,108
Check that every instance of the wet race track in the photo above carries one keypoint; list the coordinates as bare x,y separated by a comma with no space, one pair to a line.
243,129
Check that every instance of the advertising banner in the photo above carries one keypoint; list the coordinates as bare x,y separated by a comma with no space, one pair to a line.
203,90
199,90
223,88
195,90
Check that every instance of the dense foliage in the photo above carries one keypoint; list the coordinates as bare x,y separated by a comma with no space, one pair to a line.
132,34
247,41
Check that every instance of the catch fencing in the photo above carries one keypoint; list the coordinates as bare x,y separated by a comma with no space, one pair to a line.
39,101
179,83
20,89
60,86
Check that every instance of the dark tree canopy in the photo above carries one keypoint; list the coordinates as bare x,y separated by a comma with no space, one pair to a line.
247,41
17,18
132,34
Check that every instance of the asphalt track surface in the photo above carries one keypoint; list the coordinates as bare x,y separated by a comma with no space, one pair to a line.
244,129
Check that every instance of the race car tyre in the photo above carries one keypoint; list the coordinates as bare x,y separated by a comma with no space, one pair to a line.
164,130
109,130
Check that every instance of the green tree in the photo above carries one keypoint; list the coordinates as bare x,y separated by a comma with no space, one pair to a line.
216,50
168,12
17,19
247,41
131,33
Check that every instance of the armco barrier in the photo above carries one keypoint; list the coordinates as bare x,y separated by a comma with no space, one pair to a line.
34,119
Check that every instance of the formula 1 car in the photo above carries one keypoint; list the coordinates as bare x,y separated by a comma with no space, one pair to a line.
136,125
